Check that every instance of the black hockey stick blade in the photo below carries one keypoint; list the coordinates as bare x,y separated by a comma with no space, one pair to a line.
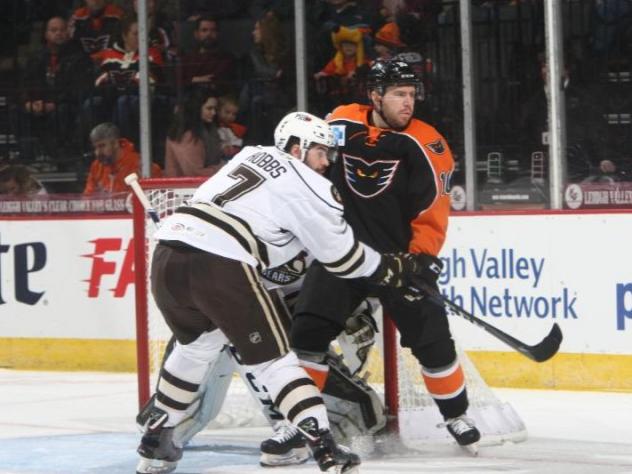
540,352
548,347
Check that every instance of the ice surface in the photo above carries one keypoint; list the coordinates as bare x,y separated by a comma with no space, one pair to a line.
75,423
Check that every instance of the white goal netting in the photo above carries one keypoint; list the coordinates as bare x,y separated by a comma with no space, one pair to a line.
417,416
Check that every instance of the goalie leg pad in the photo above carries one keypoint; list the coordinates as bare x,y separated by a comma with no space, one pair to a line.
211,396
353,407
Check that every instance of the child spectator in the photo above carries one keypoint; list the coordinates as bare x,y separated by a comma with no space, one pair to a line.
193,146
340,81
349,55
115,158
230,132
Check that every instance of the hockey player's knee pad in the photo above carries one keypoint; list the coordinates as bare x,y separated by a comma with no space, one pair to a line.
436,354
204,349
313,333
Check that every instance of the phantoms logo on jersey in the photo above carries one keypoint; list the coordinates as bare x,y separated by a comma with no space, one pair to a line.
436,147
368,179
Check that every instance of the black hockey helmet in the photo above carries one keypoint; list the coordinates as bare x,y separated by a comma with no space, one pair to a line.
393,72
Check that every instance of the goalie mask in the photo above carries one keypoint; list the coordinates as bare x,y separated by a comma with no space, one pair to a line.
308,130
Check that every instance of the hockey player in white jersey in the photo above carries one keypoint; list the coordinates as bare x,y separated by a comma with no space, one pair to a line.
257,212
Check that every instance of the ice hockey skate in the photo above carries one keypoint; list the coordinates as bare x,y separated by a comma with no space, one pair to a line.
285,447
331,457
158,454
464,432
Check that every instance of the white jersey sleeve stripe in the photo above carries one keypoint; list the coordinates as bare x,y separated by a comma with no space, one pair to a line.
232,225
349,262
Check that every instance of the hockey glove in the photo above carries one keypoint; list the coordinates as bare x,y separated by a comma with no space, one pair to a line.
398,270
395,270
427,271
424,281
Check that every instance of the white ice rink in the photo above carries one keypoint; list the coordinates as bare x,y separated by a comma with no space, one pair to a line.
75,423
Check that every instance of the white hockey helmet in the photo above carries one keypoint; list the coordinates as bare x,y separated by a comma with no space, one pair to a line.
308,130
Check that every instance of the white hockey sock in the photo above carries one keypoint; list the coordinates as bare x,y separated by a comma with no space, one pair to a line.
183,371
293,391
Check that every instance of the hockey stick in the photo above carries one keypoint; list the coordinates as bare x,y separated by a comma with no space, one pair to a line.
540,352
132,181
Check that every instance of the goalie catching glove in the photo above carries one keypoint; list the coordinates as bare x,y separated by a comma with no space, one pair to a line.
401,270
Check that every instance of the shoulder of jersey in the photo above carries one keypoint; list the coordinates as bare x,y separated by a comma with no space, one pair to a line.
315,185
350,113
427,136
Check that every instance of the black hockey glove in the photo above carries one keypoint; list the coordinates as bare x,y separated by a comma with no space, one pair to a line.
428,271
397,270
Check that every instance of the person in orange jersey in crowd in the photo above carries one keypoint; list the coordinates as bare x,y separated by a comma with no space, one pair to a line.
115,158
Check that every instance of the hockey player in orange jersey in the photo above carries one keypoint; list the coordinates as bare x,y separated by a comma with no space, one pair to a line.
393,174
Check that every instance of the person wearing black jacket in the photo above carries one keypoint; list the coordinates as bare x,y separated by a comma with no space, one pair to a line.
54,80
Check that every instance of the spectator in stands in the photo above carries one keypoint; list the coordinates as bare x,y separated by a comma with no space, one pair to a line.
345,71
117,81
96,25
387,41
17,180
54,83
160,29
115,158
267,94
348,13
586,129
230,132
193,145
208,66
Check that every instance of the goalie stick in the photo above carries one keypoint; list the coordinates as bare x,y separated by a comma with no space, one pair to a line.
540,352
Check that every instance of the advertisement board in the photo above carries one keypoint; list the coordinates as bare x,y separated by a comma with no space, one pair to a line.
525,272
67,279
67,294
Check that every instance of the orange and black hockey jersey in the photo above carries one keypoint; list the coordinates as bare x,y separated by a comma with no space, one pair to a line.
394,184
96,30
120,68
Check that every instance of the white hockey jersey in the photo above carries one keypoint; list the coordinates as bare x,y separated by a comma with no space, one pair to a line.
263,208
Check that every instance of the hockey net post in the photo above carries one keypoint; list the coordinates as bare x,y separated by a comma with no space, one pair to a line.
395,373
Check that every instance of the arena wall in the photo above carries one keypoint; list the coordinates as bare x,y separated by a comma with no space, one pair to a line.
67,294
